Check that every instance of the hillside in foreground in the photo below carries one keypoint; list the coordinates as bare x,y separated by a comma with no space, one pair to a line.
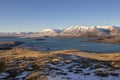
24,64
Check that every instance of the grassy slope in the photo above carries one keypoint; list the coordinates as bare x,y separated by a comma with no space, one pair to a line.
22,52
98,56
24,57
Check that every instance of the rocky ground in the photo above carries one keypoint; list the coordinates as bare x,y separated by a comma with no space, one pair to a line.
24,64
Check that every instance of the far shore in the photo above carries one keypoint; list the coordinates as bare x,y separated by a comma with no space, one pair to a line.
110,40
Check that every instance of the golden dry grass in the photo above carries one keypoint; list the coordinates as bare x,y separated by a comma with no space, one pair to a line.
98,56
17,53
24,57
35,76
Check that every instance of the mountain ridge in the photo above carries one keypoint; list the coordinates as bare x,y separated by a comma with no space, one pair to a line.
74,31
78,31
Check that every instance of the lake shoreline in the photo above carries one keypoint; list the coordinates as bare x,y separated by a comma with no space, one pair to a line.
9,45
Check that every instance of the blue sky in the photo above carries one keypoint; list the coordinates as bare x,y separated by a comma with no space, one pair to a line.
35,15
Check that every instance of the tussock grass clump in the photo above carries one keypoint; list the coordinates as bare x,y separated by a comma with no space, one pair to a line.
115,64
114,73
35,76
2,66
23,64
102,73
56,60
68,61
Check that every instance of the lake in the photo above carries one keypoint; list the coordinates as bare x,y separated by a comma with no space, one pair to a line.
66,43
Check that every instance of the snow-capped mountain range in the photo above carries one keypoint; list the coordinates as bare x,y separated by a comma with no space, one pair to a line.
78,31
74,31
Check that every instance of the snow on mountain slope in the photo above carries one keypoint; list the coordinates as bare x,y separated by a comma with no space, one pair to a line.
91,31
78,31
58,30
108,27
74,31
49,32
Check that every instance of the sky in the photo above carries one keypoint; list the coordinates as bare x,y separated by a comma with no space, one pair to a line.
35,15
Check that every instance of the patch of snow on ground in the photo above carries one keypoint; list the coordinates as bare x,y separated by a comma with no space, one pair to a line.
77,76
22,75
3,75
81,76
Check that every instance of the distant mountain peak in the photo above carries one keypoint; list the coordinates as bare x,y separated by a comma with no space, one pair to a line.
57,31
91,31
